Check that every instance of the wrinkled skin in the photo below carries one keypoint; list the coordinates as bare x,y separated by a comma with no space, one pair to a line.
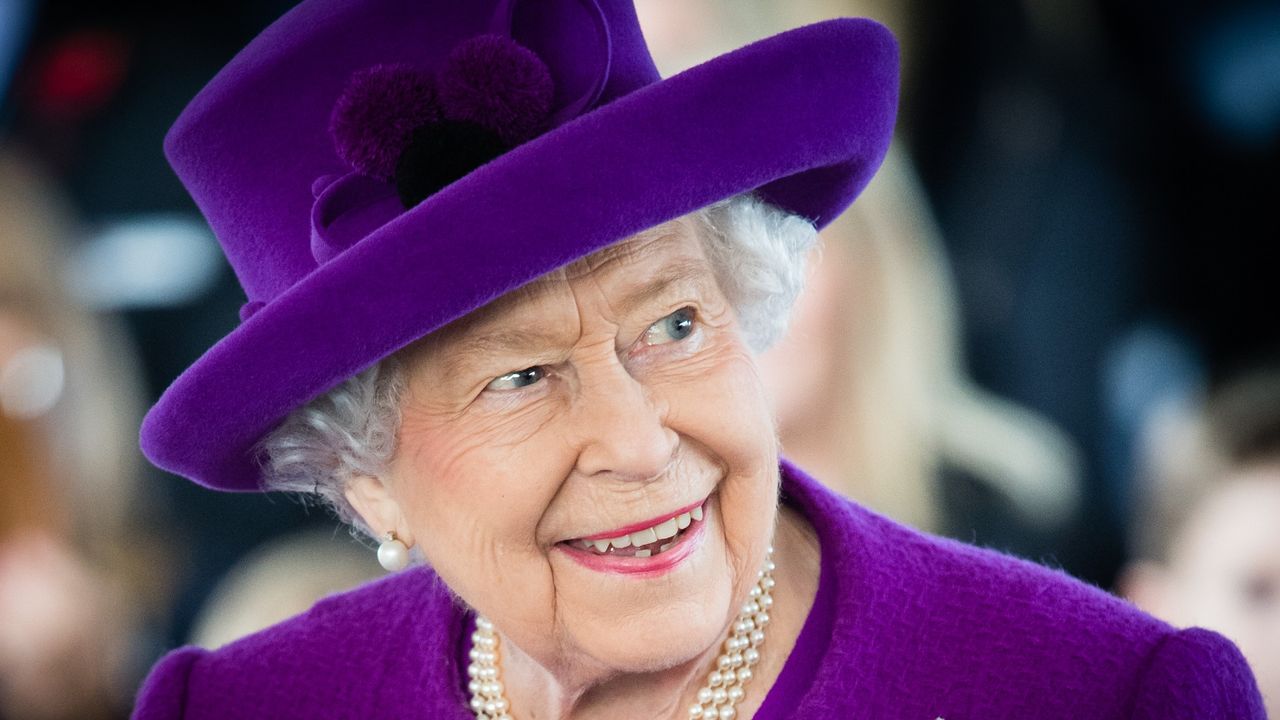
628,414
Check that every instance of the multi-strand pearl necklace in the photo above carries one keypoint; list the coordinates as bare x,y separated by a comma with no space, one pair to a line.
717,700
484,680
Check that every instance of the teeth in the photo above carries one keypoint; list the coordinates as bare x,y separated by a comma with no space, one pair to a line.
666,530
662,531
644,537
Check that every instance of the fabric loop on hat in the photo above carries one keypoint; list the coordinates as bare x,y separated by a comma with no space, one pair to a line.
544,26
347,210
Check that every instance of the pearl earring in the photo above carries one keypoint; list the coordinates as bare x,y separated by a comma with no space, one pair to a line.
393,554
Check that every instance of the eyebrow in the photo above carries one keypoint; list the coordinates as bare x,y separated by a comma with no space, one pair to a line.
681,272
489,344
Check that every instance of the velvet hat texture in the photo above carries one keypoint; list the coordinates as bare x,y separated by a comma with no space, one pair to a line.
375,169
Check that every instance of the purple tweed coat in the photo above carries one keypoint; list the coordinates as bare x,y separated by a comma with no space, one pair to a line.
905,627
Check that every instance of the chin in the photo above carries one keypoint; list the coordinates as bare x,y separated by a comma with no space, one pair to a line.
650,624
659,640
653,621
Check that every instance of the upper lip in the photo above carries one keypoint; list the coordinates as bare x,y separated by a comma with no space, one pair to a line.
633,527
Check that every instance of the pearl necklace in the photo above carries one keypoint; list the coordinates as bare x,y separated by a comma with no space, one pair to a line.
717,699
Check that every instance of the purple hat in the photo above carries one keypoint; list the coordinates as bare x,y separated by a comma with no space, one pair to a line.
377,168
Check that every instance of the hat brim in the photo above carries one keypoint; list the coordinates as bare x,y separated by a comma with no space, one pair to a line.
803,118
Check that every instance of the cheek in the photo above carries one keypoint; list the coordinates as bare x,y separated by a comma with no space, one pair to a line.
474,504
723,411
719,400
469,472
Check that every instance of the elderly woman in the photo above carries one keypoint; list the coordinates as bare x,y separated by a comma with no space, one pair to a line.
506,286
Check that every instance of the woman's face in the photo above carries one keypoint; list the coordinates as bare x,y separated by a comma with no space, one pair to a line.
613,399
1224,571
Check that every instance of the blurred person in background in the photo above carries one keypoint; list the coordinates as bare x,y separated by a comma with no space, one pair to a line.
870,386
92,90
81,577
1206,542
87,87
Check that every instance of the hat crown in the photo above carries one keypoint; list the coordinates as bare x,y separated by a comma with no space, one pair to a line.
251,146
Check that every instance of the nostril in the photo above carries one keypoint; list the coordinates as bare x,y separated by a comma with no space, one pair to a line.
632,455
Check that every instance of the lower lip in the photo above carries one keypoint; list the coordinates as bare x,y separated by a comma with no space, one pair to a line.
654,565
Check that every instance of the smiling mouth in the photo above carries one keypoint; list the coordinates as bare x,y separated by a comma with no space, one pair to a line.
648,541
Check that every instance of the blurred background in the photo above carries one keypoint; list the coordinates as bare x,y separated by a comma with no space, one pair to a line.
1048,327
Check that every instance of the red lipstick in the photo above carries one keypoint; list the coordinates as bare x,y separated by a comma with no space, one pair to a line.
687,542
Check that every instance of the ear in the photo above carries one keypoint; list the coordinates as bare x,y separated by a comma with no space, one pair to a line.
372,499
1146,584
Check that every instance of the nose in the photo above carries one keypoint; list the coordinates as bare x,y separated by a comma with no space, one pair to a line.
622,426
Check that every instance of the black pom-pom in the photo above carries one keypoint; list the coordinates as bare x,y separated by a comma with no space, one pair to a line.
440,153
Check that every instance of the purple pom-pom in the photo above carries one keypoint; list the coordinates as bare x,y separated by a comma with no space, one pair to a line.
499,84
377,113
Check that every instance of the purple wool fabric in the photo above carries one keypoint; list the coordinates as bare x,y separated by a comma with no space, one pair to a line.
336,282
904,627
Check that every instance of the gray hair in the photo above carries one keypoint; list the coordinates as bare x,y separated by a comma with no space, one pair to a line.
757,251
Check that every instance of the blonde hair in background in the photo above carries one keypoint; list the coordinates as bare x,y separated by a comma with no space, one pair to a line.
80,573
908,407
684,33
90,433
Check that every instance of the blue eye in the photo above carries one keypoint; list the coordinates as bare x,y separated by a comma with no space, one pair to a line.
674,327
516,380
